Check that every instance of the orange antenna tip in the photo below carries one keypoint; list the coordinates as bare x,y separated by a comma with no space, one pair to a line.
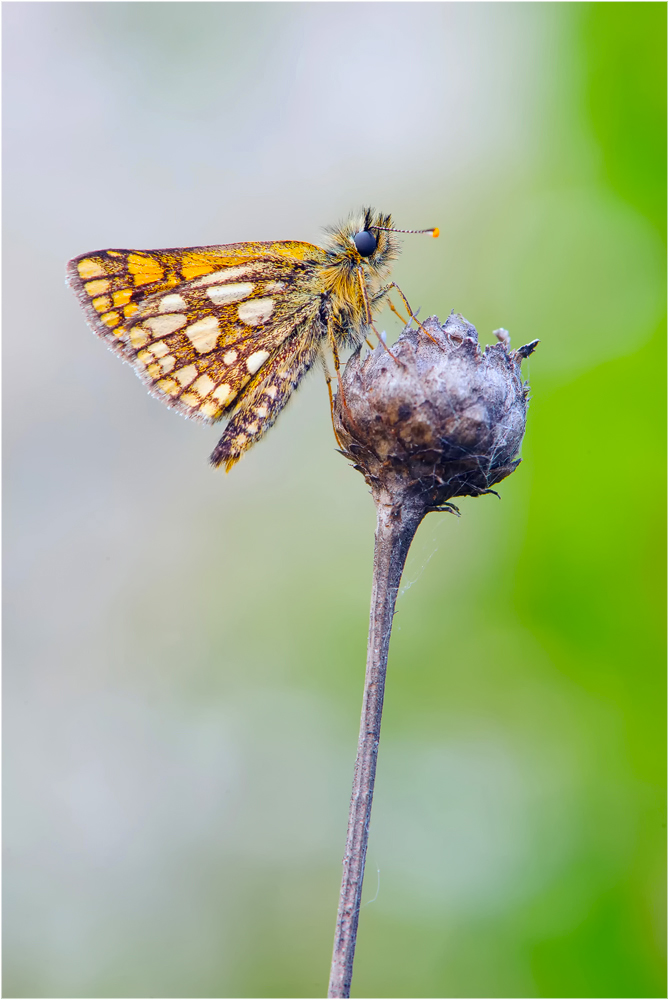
435,232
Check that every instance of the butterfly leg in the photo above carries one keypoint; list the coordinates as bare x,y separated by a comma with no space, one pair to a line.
384,291
328,382
398,314
368,313
335,358
341,394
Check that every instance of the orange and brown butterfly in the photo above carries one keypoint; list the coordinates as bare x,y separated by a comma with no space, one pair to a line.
217,329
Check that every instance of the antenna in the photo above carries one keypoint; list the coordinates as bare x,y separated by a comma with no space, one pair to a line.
434,230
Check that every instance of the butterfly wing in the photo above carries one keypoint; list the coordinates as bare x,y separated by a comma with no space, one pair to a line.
268,393
199,324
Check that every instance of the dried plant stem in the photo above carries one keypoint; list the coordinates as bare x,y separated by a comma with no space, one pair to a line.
395,529
440,419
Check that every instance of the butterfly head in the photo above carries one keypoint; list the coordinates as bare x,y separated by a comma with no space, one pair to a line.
357,242
368,239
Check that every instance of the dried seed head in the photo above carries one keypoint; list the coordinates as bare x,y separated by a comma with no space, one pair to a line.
440,419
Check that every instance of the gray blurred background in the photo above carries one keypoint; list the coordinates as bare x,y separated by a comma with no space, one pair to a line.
184,650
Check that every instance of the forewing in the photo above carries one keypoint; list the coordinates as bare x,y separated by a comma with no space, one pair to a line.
198,324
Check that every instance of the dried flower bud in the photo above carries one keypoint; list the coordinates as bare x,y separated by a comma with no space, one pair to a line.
437,418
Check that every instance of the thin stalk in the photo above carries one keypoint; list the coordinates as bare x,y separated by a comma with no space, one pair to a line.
395,529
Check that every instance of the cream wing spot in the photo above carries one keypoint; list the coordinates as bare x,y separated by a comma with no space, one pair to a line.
191,399
210,409
254,362
160,326
261,411
222,393
256,311
186,375
203,334
168,385
230,357
139,337
229,274
220,294
271,391
203,386
171,303
168,363
159,349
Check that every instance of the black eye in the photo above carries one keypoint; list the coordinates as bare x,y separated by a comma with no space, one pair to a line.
365,243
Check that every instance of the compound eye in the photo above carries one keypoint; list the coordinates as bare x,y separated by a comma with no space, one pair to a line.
365,243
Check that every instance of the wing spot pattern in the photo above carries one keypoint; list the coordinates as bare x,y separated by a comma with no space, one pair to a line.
139,337
203,334
255,360
122,297
170,303
210,409
144,270
203,386
169,386
220,294
90,269
159,349
256,311
160,326
229,274
98,287
222,393
186,375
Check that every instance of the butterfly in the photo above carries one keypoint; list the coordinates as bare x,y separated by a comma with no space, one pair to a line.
230,330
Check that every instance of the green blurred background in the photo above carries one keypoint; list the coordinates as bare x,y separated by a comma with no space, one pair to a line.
184,650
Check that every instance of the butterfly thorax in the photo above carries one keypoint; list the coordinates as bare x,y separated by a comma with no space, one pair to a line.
341,277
